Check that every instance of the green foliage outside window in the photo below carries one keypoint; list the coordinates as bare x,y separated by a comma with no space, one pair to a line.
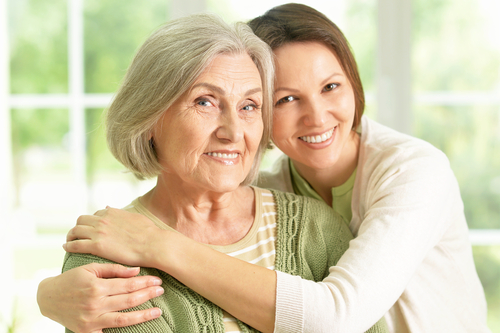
38,37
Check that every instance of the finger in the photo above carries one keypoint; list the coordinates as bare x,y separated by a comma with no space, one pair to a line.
101,212
87,220
131,285
79,232
118,319
129,301
79,246
120,279
107,271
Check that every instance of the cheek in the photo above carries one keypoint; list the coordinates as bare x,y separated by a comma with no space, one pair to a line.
349,106
283,127
255,132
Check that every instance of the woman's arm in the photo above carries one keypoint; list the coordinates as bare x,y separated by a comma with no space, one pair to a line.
245,290
88,298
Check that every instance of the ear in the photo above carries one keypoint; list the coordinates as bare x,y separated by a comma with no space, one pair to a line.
152,143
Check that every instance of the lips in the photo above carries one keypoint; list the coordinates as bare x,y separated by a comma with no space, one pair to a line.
318,138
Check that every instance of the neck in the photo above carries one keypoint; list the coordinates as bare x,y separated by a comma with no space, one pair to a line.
322,180
205,216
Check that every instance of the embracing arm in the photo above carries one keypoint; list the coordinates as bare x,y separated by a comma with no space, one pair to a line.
245,290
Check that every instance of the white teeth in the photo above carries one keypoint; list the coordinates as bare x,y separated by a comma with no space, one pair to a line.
318,138
223,155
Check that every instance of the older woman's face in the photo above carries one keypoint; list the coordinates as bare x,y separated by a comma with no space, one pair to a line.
209,137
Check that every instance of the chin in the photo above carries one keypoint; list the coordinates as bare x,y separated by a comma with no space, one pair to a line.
320,163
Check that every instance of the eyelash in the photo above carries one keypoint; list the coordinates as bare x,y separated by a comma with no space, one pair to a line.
254,106
334,85
198,101
287,99
205,100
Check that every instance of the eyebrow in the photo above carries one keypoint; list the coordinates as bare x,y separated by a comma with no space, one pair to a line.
222,91
322,83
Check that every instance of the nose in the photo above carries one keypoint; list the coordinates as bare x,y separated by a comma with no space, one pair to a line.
230,128
315,112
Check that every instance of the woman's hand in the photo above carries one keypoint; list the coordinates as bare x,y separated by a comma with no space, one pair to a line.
116,235
86,299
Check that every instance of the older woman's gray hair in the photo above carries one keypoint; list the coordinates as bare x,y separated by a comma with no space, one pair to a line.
165,67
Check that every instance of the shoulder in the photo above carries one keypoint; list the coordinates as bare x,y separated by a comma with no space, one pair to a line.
133,207
380,141
399,173
73,260
384,151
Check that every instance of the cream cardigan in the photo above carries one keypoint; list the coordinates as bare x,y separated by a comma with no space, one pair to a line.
411,258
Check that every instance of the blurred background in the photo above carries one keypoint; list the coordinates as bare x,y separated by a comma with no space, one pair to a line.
430,68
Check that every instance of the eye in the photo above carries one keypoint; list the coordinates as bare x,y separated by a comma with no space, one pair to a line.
204,102
250,107
286,99
330,86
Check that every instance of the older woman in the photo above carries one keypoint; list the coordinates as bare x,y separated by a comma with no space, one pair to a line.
194,110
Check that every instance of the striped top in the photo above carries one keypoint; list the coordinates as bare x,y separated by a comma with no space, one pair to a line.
257,247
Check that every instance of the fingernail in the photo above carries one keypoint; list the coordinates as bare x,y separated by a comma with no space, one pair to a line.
157,282
155,313
64,246
159,291
133,268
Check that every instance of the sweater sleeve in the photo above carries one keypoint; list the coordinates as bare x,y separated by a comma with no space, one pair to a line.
73,260
410,201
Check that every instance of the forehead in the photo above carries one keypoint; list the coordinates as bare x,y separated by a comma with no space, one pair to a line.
231,70
306,58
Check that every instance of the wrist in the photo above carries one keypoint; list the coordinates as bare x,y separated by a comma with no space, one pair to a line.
162,250
43,297
172,252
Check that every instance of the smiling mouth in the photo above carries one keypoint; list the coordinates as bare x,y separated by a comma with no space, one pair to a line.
223,155
318,138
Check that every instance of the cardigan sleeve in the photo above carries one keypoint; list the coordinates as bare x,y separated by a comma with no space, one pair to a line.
409,201
73,260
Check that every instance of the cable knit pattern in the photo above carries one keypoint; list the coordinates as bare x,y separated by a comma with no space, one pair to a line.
310,239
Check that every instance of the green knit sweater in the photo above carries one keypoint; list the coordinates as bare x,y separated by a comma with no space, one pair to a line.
310,239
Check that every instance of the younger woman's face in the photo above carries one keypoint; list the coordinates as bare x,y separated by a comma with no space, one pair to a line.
313,105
